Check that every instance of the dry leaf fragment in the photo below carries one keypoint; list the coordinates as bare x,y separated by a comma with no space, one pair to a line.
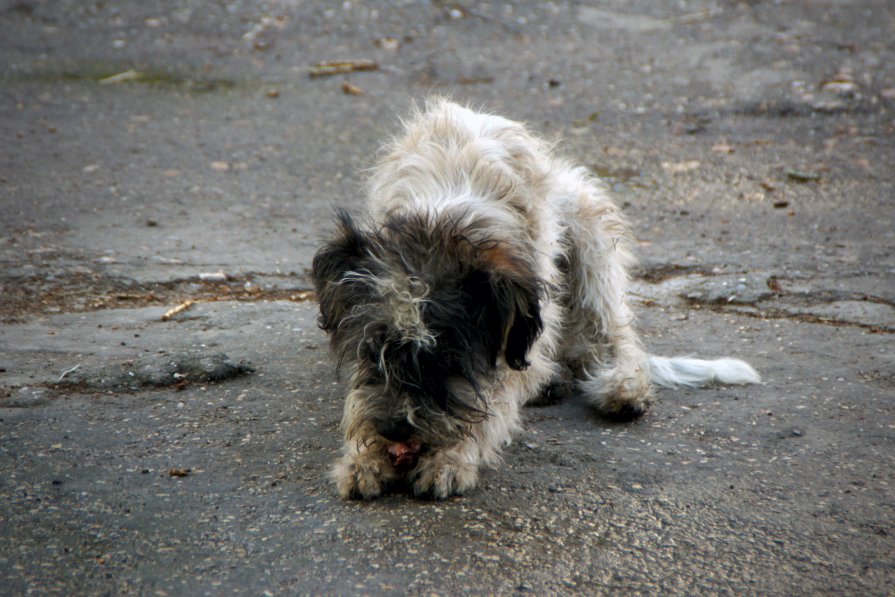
615,152
802,175
349,89
842,84
474,80
774,285
681,167
389,43
179,472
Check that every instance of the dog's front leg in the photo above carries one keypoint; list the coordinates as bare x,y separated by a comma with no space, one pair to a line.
364,468
448,471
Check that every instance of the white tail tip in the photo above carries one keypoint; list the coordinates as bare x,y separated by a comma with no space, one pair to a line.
671,372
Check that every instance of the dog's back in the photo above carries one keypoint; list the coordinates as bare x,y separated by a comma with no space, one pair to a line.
450,156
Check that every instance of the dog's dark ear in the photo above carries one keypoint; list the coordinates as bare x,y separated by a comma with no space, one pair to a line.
507,306
526,325
341,254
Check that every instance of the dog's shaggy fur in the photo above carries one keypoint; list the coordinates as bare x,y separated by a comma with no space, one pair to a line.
486,265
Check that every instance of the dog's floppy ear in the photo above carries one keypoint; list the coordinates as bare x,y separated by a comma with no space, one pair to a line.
525,326
506,298
341,254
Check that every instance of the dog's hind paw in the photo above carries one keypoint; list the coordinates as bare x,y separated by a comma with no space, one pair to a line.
443,475
620,394
358,476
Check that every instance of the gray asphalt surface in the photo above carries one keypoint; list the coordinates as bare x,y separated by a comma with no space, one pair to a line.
157,153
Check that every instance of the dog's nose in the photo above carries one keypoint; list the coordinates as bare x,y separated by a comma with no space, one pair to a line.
395,431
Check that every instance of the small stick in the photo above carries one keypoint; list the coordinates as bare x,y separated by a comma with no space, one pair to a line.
178,309
326,69
67,371
128,75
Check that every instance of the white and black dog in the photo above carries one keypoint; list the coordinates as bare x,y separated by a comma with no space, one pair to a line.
485,266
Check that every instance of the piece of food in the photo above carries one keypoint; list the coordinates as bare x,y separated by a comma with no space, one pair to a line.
404,454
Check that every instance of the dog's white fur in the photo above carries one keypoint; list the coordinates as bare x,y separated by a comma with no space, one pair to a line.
453,159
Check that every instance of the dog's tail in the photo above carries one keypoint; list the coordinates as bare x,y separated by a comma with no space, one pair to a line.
672,372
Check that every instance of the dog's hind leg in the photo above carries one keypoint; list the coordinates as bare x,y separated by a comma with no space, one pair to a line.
601,342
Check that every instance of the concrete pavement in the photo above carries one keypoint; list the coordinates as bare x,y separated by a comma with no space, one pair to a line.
159,153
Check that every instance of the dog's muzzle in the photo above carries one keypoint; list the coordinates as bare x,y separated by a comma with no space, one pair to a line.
403,448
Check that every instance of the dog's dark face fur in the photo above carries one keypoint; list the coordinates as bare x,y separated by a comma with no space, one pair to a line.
425,311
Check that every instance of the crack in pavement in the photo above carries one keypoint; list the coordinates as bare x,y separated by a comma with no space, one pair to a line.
81,292
767,296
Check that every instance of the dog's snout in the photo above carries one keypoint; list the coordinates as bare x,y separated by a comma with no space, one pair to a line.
395,431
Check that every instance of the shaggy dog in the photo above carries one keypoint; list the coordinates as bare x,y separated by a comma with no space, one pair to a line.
485,268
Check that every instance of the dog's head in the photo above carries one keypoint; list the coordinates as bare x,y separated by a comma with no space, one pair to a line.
426,310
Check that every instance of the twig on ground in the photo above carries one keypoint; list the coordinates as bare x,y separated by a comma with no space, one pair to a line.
68,371
178,309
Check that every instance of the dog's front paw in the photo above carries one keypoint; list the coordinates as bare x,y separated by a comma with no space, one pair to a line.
360,475
444,474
